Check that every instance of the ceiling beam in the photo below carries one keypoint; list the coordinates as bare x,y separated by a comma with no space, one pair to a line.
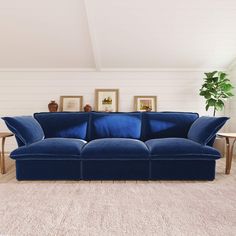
92,35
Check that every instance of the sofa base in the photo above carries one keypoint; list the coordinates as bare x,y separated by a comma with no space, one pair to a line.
183,170
115,170
48,170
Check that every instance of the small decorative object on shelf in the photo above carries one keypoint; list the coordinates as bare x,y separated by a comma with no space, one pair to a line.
107,100
87,108
71,103
53,106
145,103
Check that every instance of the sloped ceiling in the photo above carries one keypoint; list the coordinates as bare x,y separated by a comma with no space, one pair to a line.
117,34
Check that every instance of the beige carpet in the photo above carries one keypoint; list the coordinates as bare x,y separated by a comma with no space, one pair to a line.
119,208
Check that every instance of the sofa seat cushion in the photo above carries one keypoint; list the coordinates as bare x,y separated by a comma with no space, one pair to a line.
181,149
115,148
51,148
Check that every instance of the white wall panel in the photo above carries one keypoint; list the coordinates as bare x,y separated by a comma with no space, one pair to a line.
232,103
23,93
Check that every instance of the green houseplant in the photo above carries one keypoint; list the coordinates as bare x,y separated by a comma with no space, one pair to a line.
216,89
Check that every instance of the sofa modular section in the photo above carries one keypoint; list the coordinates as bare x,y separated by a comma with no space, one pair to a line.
49,169
182,170
115,159
115,146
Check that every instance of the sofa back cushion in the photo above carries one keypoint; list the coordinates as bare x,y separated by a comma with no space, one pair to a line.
167,124
115,125
204,129
64,124
26,129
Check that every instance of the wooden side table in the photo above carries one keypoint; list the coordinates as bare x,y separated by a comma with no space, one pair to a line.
3,136
230,139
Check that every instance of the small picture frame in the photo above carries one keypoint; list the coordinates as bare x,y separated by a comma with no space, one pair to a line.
71,103
145,103
107,100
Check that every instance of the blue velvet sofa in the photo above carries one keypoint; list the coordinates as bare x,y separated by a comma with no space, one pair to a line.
115,146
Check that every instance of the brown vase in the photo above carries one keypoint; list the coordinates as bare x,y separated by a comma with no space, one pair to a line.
52,106
87,108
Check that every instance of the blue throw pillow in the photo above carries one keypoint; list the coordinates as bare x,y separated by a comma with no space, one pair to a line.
64,124
205,128
167,124
115,125
26,129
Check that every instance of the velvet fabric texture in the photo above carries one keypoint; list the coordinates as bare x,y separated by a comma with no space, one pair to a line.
115,148
115,125
180,149
205,128
50,148
48,170
64,124
167,124
26,129
125,169
115,170
182,170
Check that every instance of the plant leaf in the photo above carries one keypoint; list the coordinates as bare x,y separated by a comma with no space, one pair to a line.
229,94
213,73
222,75
211,102
208,75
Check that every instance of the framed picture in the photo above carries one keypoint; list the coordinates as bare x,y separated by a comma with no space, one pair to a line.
106,100
145,103
71,103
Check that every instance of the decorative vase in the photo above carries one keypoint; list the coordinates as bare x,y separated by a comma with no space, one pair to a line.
52,106
87,108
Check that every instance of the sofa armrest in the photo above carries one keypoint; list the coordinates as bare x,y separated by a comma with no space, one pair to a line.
204,129
26,129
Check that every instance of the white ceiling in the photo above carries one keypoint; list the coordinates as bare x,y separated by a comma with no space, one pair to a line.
117,34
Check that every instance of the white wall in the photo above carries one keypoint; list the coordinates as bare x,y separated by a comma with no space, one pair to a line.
23,93
232,103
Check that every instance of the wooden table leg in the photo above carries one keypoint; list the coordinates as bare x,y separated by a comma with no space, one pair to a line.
229,155
3,169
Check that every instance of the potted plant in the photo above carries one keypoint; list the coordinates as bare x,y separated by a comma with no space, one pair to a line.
216,89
